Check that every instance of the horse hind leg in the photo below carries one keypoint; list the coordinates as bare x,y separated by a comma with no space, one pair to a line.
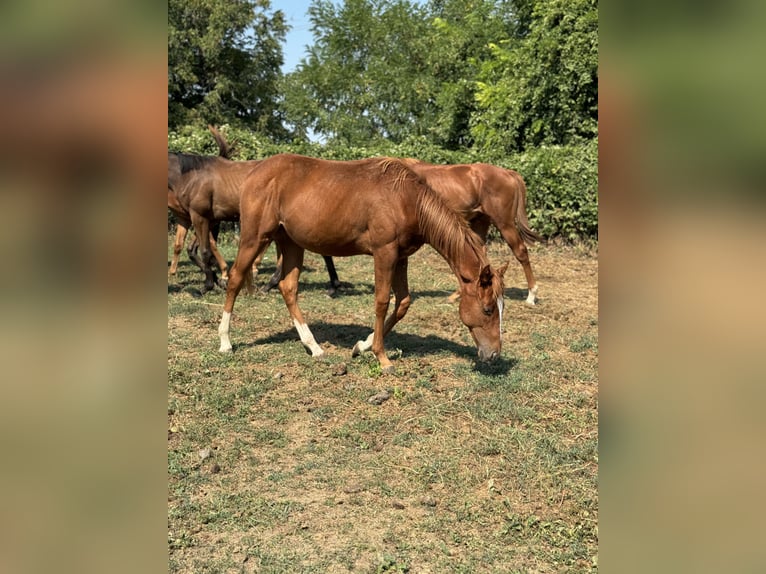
333,275
519,248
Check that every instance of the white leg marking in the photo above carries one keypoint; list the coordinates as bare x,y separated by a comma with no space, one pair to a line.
307,338
362,346
223,332
532,295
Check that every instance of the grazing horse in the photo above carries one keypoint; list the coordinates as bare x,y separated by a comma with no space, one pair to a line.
376,207
485,194
208,188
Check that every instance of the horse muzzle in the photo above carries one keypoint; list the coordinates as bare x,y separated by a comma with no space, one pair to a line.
488,355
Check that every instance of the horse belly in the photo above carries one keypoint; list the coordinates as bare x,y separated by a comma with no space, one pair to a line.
329,236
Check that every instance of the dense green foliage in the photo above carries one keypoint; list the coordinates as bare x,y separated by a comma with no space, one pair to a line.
224,63
543,88
509,82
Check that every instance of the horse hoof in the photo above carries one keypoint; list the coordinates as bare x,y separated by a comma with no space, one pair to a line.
389,370
355,352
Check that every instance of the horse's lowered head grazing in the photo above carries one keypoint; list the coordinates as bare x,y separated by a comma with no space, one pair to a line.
481,310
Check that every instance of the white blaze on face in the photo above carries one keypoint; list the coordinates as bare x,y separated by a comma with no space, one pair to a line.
500,309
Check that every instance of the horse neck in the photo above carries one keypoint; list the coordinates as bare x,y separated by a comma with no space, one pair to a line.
449,234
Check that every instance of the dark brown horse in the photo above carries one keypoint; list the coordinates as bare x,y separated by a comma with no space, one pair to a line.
486,194
377,207
208,188
183,223
176,180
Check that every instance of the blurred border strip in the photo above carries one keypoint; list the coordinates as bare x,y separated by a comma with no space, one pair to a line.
682,317
83,110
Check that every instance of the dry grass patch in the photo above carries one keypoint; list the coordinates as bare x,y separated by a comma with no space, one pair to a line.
278,463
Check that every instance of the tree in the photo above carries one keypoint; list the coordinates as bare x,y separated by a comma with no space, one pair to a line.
224,59
460,36
395,70
363,77
544,88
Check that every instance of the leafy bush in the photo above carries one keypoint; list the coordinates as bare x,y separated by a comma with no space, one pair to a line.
562,189
562,181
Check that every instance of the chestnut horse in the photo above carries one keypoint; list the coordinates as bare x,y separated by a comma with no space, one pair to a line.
376,207
208,188
485,194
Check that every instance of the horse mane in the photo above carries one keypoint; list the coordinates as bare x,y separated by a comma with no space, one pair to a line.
445,229
441,227
192,162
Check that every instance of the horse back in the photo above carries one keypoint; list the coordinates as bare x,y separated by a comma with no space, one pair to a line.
331,207
459,186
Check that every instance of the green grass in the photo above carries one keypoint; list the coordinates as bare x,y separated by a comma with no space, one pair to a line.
465,468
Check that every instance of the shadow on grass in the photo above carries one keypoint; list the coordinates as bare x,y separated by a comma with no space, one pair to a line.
187,268
346,289
189,279
513,293
345,336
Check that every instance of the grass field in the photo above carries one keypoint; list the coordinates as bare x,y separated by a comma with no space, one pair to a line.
278,462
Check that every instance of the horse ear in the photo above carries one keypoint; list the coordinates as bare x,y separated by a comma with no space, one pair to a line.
501,270
485,277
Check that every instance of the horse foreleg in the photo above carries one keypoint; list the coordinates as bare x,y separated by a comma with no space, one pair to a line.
402,297
402,302
202,228
385,265
252,272
178,245
274,280
222,265
193,252
292,262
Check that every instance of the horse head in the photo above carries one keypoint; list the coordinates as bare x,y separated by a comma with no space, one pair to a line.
481,310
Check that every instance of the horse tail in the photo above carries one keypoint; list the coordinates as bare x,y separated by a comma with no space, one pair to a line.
522,223
224,149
